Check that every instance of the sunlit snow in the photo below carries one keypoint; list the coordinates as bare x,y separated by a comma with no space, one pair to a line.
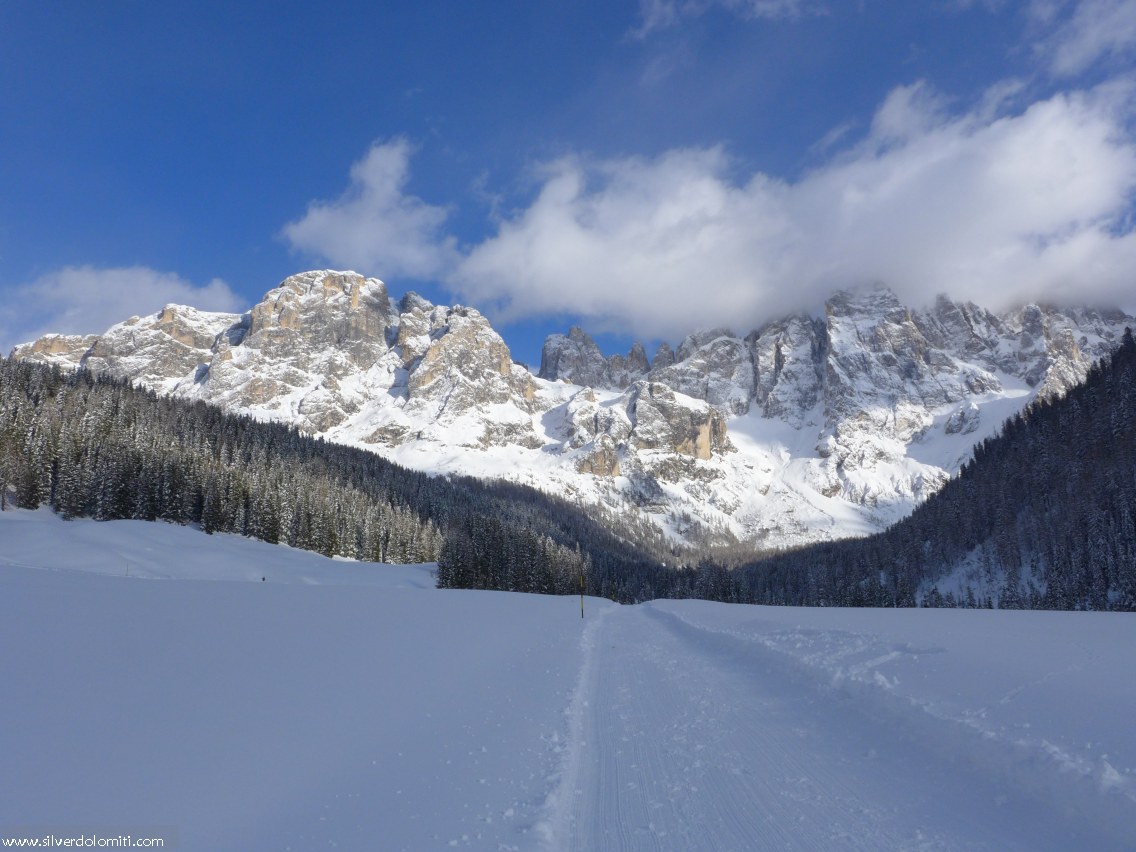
152,677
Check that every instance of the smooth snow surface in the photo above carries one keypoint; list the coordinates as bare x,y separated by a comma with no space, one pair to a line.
351,706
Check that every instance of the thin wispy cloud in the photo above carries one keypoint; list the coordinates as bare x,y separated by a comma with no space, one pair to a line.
663,14
831,139
1083,34
88,300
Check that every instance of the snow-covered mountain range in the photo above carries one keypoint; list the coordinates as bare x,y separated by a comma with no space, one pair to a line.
808,428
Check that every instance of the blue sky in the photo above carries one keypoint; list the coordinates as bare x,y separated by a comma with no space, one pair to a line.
640,168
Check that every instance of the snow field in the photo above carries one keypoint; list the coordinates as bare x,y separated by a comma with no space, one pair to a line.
366,713
345,705
749,727
1044,698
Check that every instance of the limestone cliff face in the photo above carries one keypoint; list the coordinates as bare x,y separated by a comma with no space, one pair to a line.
299,348
600,458
65,350
648,416
315,312
664,420
788,358
463,364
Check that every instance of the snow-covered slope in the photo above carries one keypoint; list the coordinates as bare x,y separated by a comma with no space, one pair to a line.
346,705
809,428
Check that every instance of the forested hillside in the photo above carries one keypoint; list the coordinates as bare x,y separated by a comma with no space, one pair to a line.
99,447
1044,516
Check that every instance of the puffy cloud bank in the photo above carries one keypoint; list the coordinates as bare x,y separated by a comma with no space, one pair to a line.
995,208
998,204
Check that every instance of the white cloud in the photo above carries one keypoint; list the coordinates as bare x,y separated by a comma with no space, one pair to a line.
88,300
1094,30
1001,204
830,140
374,226
907,113
998,208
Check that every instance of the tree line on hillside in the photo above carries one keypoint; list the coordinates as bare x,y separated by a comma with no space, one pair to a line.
98,447
1042,517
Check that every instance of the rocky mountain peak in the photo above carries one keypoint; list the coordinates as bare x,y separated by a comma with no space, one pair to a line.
412,302
578,335
576,358
465,364
869,300
806,428
315,311
712,365
664,356
623,370
692,343
64,349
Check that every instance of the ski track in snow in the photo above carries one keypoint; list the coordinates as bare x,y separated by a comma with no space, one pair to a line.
682,737
559,806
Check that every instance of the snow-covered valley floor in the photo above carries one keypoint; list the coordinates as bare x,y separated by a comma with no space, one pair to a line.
342,705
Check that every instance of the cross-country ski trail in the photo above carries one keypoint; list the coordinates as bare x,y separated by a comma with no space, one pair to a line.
680,738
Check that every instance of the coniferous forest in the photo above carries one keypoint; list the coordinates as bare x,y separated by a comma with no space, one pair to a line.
1044,516
100,448
1045,513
